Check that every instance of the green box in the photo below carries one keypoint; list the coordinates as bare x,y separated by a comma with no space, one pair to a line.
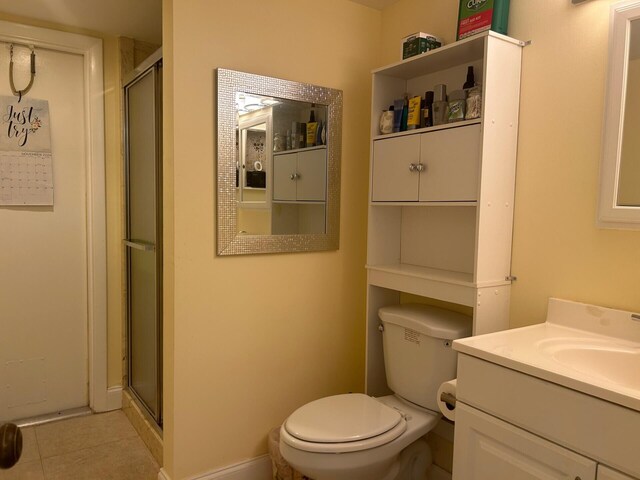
475,16
415,45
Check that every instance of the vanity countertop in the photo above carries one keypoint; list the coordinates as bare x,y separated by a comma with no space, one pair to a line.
594,350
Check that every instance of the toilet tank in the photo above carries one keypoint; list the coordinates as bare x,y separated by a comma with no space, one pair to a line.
417,349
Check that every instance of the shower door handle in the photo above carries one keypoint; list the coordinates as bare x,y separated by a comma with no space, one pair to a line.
145,247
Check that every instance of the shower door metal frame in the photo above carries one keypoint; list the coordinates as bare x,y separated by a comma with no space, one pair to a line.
151,66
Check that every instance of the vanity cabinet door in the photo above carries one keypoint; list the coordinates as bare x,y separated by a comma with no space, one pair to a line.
450,159
605,473
394,178
312,175
284,186
488,449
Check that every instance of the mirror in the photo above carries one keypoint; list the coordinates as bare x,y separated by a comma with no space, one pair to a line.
278,150
620,171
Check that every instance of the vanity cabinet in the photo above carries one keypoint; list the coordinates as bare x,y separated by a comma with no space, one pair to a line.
511,424
491,449
441,198
605,473
300,176
494,449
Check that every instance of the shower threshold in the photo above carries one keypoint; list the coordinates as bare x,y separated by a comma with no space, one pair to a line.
53,417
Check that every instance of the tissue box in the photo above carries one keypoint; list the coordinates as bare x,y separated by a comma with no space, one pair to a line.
418,43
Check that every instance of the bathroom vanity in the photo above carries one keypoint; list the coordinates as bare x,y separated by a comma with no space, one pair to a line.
555,400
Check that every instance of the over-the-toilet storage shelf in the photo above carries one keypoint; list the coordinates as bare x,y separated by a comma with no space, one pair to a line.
444,232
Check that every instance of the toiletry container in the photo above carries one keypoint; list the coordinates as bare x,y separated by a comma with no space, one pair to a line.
457,106
440,105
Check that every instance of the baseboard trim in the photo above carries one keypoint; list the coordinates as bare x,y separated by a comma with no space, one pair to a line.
114,398
258,468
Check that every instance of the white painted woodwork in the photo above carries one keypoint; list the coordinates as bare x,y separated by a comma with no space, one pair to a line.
392,179
592,427
610,213
450,159
444,233
300,176
54,261
438,237
605,473
312,171
487,448
284,166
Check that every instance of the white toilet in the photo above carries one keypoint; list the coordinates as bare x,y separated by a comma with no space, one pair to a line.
357,437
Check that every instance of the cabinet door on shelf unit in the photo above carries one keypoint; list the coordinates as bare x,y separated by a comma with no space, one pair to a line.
450,161
284,167
312,171
394,179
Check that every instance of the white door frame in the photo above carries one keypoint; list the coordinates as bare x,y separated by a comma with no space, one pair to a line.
91,49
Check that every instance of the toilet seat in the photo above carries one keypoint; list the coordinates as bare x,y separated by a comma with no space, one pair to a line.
343,423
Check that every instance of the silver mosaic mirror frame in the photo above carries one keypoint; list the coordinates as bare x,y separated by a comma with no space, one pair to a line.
229,242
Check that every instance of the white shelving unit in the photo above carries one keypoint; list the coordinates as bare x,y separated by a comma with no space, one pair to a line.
441,198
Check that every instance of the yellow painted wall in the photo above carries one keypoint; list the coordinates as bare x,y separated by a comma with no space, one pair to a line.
242,360
558,250
113,191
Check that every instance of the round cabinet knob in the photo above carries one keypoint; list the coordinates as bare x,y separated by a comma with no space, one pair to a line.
412,167
420,167
292,176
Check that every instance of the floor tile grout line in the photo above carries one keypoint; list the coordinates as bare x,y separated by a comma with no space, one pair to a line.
89,447
35,434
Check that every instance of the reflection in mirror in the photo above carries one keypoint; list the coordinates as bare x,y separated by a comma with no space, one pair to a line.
279,143
629,176
619,204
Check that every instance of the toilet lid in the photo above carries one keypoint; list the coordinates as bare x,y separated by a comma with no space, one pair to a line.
342,418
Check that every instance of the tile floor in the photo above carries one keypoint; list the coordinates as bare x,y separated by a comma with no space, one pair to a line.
95,447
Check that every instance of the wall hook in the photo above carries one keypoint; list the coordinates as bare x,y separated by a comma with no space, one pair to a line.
24,91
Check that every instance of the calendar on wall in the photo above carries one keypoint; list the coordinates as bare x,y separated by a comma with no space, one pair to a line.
26,164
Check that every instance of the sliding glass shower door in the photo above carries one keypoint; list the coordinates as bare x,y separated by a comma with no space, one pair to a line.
143,244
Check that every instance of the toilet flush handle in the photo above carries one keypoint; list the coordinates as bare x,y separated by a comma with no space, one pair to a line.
381,328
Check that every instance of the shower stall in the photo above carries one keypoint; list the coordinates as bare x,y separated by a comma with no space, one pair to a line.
143,237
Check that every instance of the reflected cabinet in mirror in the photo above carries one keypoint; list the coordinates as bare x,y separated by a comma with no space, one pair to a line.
620,172
279,146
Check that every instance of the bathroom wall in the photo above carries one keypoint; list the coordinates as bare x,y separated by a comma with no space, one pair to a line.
558,250
237,362
113,191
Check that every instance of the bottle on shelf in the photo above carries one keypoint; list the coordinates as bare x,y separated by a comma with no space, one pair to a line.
386,121
413,118
428,109
471,82
312,128
397,114
440,105
405,114
319,131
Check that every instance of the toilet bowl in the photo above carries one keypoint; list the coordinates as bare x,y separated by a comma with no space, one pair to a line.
356,437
